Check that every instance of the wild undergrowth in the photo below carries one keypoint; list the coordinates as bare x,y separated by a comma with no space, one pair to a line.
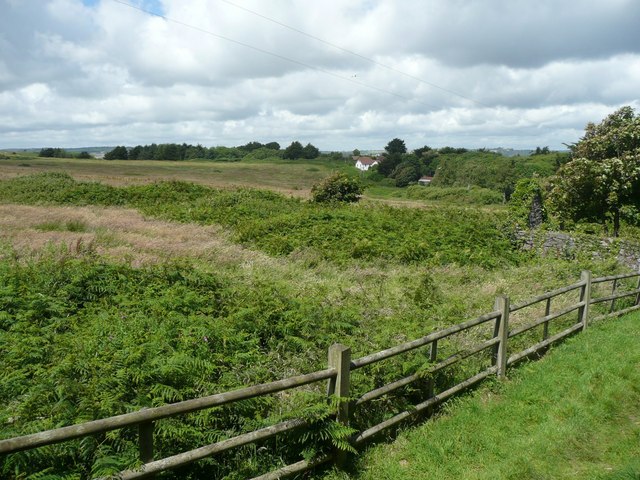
279,225
82,339
85,337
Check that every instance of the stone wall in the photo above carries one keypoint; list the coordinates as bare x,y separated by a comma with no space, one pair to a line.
569,246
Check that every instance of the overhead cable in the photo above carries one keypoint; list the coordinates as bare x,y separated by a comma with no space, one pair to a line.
351,52
273,54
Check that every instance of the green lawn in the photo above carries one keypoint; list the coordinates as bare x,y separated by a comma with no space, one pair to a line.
574,414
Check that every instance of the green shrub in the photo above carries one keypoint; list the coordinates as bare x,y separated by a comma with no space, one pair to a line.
337,187
526,207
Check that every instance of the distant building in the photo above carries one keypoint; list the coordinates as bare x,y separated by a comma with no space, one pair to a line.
364,163
425,180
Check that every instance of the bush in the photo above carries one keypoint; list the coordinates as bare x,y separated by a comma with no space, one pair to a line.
337,187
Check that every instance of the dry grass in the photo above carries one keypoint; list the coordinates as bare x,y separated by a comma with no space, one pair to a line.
119,234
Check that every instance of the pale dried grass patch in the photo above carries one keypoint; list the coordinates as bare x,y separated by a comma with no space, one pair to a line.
121,234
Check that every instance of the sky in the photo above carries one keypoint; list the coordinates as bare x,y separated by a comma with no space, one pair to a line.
340,74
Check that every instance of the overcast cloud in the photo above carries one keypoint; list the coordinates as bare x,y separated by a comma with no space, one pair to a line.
472,73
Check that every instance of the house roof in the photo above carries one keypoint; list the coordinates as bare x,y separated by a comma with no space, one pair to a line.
365,160
425,179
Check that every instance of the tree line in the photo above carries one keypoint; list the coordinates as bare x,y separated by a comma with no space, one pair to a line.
184,151
50,152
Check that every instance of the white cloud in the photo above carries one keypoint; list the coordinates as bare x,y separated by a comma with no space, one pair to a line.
525,74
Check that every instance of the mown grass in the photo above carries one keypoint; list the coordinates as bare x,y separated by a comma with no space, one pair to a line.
573,414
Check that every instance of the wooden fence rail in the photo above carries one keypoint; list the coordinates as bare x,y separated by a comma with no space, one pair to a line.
338,376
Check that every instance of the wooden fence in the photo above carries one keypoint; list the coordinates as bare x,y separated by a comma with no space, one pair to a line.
506,325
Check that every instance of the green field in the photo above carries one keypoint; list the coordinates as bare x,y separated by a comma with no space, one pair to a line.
292,177
119,291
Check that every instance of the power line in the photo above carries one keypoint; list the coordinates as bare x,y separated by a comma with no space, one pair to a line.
272,54
351,52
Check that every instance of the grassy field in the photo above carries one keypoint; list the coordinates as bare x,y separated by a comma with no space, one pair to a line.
289,177
195,290
572,415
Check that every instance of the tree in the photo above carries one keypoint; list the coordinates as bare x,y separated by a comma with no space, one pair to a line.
419,152
53,153
388,163
168,151
310,152
47,152
356,152
272,146
251,146
396,146
118,153
293,151
337,187
408,171
394,151
541,151
602,181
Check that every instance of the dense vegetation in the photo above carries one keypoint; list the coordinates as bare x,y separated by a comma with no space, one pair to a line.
602,181
493,171
62,153
104,338
459,167
280,225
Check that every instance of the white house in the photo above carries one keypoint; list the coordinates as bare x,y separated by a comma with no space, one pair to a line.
425,180
364,163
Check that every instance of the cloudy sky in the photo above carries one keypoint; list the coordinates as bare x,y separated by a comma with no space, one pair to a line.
341,74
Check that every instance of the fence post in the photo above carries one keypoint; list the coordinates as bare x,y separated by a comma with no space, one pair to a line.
585,296
340,359
638,295
502,332
545,328
145,442
613,291
433,354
